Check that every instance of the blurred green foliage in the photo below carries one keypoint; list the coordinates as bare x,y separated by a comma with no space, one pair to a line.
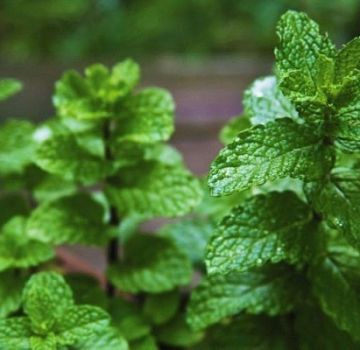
82,28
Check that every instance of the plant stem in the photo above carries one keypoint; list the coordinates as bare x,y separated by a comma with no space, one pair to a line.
112,252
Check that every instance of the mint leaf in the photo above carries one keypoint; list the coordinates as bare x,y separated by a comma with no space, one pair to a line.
264,102
153,189
18,250
73,219
300,43
11,285
160,308
272,290
340,270
62,155
17,146
190,236
46,298
347,59
265,153
178,333
146,343
9,87
43,343
148,117
81,322
258,232
15,333
339,202
159,268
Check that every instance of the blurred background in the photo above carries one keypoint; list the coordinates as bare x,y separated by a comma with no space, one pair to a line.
204,51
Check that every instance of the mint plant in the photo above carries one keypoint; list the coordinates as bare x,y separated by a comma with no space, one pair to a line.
91,175
283,265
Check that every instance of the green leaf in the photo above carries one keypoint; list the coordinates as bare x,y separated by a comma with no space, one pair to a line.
178,333
62,155
148,117
190,236
128,319
300,43
233,127
246,333
339,203
108,339
316,331
15,333
347,59
11,285
266,153
12,204
9,87
17,146
94,96
81,322
43,343
18,250
72,219
264,102
341,302
160,308
272,290
153,189
258,232
158,268
46,298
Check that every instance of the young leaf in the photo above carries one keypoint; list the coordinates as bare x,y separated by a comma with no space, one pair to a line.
264,102
15,333
265,153
158,268
233,127
300,43
147,117
72,219
341,302
18,250
258,232
272,290
9,87
153,189
17,146
347,59
62,155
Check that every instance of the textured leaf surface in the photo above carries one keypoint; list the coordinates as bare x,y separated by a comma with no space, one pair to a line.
300,43
152,264
62,155
46,299
73,219
273,291
258,232
9,87
276,150
190,236
81,322
11,286
348,59
148,117
18,250
15,333
264,102
16,147
339,202
154,189
341,302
